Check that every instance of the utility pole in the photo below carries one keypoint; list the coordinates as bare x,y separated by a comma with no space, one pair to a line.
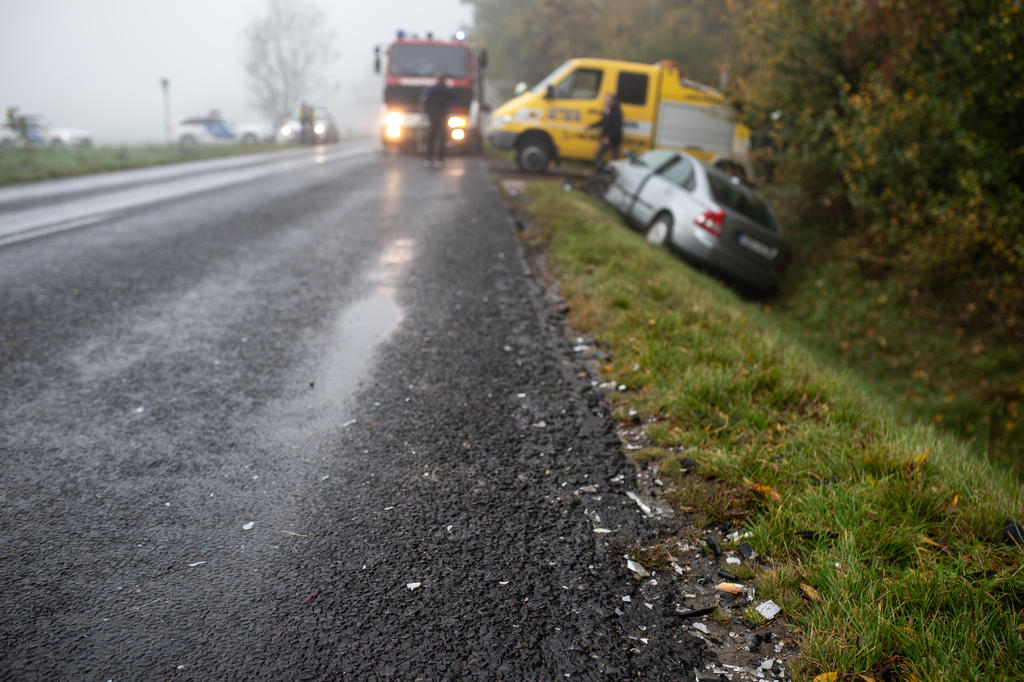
166,85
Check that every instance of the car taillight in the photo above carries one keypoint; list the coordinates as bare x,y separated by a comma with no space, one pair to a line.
711,221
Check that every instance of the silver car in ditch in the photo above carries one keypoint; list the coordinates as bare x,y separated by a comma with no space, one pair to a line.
705,215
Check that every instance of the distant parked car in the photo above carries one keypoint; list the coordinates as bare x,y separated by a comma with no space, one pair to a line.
216,128
42,132
325,130
704,214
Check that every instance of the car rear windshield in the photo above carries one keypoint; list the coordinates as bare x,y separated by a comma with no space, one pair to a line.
427,60
742,201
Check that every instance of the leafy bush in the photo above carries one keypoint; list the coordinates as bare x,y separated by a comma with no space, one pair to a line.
904,116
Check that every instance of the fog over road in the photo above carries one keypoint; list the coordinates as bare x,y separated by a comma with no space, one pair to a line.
246,404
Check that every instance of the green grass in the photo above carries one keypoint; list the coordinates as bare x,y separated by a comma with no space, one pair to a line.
27,164
956,363
785,442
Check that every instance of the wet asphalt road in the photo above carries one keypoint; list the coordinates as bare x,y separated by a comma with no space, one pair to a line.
236,425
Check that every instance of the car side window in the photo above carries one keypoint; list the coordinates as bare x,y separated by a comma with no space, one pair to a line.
681,173
580,84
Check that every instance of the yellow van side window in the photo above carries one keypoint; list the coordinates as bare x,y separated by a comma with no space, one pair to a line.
580,84
632,88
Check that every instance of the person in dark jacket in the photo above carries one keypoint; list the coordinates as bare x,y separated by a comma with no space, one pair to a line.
437,101
611,129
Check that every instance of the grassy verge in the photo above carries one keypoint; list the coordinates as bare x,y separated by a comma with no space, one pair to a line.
27,164
905,569
954,363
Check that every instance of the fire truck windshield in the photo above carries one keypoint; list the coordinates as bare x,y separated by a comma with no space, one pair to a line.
427,60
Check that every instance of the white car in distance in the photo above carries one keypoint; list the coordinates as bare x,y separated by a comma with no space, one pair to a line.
218,129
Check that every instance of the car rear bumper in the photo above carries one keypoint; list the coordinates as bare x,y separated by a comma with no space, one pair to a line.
709,250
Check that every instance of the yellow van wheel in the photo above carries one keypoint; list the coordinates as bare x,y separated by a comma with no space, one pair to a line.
533,154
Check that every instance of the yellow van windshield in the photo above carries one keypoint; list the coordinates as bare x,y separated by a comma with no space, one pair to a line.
542,87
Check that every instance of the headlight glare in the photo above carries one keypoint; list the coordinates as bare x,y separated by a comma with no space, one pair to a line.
456,122
394,119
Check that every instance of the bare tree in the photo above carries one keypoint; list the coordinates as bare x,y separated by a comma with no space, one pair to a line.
289,54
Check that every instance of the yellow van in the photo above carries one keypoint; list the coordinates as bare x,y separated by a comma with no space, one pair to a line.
660,108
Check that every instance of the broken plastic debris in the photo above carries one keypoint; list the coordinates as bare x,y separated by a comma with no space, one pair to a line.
588,489
198,563
626,598
650,606
1014,534
767,665
636,498
622,387
602,530
140,409
733,560
639,570
507,349
539,425
413,586
350,422
700,626
731,588
746,550
713,543
503,582
580,348
520,395
248,526
697,613
768,609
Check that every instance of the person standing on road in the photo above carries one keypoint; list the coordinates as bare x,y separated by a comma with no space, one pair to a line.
611,129
437,100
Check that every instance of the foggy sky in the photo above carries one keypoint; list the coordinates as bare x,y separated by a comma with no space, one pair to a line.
97,64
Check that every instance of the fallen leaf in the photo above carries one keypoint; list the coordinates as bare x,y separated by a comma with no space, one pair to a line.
827,677
767,491
810,592
731,588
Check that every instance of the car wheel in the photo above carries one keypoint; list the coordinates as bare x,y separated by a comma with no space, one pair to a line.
249,138
57,144
533,155
659,231
187,141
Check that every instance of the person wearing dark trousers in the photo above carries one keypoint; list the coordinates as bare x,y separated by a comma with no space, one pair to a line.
611,130
437,101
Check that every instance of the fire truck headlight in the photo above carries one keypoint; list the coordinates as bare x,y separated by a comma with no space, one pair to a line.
456,122
394,119
458,134
394,131
286,131
319,129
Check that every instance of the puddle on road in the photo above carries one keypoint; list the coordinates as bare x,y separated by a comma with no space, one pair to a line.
364,325
359,330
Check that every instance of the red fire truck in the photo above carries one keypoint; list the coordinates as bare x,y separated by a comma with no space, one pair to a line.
411,67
